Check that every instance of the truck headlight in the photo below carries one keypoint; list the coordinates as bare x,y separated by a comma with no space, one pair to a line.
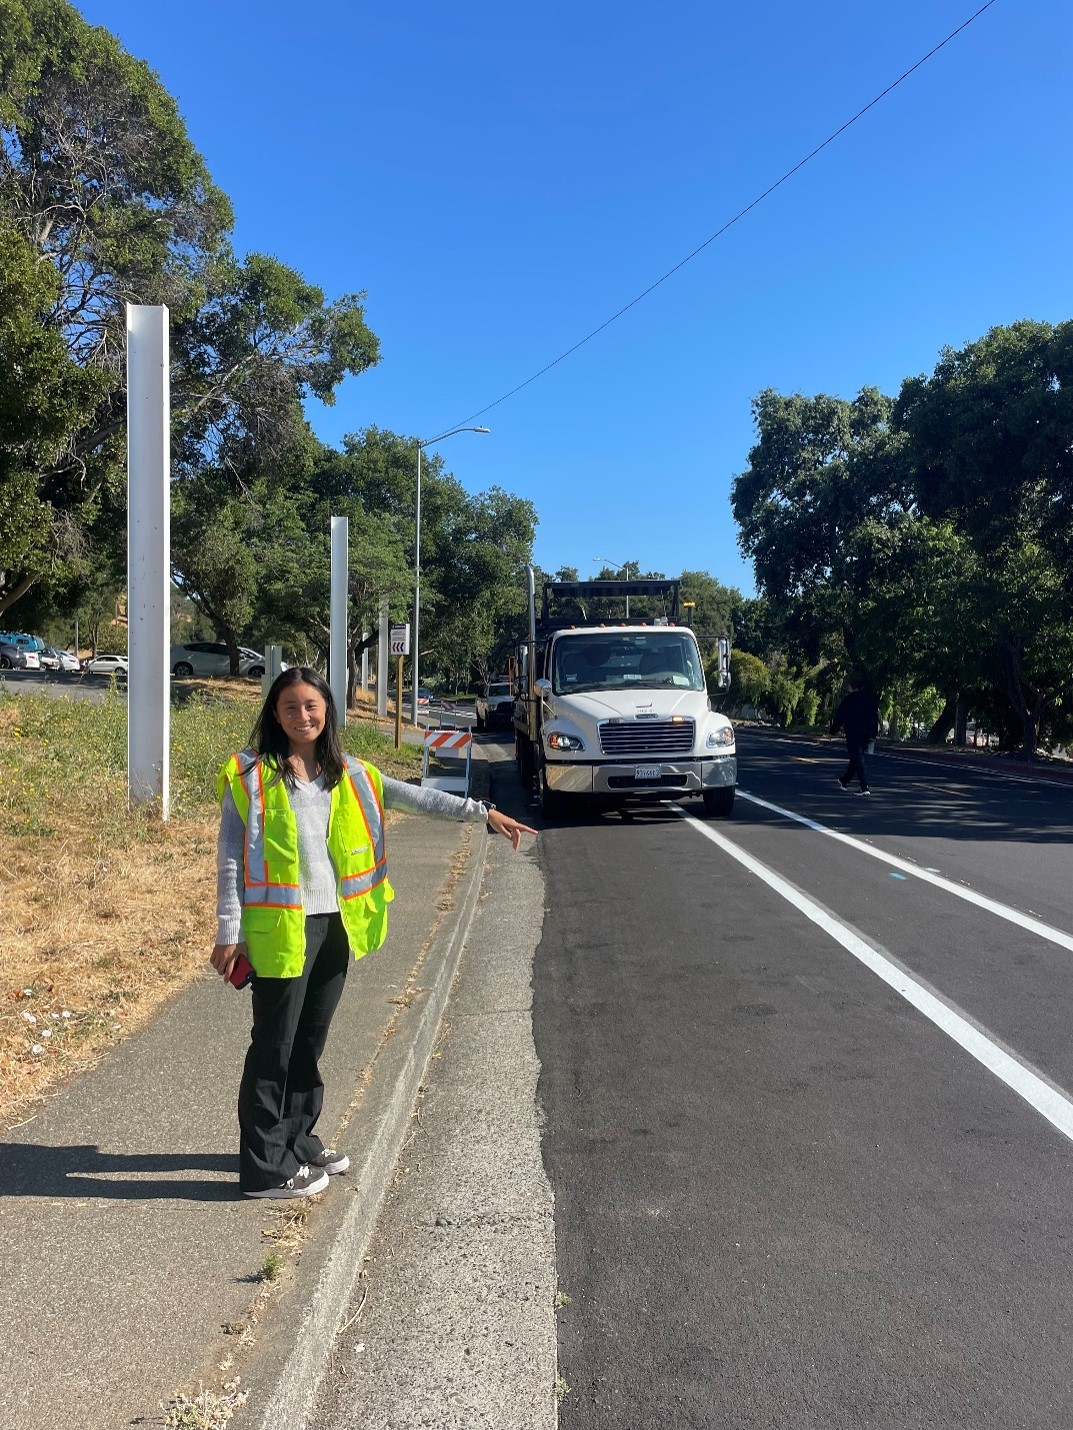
558,741
721,737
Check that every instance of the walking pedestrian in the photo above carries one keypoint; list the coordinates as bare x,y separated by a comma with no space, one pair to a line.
858,716
302,884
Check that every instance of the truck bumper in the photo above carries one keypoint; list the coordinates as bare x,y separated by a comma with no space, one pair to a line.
672,777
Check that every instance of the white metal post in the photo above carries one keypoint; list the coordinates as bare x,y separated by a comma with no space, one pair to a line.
381,662
273,668
337,639
148,556
416,644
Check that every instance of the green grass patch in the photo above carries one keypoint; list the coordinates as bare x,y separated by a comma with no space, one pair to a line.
79,749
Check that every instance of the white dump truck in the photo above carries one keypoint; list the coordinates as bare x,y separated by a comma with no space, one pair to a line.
614,708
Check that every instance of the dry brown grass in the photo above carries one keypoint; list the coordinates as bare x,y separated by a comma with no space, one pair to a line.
98,934
107,914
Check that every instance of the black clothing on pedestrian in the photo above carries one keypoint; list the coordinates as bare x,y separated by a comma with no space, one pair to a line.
281,1093
858,715
855,767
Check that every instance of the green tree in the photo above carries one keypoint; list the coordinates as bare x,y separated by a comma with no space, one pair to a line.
103,201
750,682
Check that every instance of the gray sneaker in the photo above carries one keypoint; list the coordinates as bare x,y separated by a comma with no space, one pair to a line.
305,1183
331,1161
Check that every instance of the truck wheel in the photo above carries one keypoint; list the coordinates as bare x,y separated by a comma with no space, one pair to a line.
719,803
552,803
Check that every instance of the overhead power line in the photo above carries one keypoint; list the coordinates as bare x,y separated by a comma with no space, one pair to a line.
736,219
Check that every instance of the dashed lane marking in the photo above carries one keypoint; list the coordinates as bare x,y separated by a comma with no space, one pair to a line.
992,906
1049,1101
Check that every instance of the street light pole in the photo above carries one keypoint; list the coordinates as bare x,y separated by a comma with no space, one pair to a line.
626,567
416,643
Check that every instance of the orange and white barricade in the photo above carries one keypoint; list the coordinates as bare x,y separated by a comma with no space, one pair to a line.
447,746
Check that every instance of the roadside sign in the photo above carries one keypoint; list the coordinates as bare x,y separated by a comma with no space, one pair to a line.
399,638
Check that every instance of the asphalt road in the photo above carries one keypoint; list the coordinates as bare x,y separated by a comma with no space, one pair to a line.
792,1105
63,685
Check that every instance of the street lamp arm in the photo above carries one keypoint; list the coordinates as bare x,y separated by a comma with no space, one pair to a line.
430,440
416,642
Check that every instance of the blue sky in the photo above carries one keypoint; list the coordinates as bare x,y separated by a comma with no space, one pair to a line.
500,179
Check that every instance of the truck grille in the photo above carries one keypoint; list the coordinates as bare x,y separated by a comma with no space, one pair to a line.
641,739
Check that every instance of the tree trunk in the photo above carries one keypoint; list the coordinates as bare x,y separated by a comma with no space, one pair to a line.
961,720
232,648
353,662
945,723
20,588
1029,733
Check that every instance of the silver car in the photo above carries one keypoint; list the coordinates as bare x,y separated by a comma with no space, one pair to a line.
211,658
107,665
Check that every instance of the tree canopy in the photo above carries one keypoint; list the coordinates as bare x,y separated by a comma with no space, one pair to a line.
927,539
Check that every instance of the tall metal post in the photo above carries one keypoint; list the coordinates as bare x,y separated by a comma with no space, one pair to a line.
381,661
337,638
148,556
416,646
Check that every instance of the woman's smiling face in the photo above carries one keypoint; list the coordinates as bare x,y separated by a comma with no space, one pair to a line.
301,712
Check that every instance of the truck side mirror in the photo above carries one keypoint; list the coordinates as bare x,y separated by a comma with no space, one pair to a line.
723,679
544,686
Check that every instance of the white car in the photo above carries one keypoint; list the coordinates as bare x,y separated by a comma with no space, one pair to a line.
211,658
495,705
107,665
52,658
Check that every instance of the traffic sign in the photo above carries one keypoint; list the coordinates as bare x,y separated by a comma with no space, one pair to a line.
399,638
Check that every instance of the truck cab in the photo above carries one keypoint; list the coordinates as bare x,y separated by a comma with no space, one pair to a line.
617,710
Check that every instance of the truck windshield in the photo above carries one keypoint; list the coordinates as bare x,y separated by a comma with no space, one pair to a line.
634,660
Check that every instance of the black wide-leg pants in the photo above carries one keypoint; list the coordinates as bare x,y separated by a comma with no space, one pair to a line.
855,751
281,1092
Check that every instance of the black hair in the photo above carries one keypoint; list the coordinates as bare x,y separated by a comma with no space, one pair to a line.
270,740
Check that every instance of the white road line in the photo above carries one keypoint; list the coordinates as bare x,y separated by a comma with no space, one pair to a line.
992,906
1047,1100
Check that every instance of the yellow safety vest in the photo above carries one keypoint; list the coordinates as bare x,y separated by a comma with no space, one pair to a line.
273,920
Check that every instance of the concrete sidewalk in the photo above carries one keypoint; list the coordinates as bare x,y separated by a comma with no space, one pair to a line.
131,1265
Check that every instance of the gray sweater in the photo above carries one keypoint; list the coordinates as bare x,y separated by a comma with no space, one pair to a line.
312,804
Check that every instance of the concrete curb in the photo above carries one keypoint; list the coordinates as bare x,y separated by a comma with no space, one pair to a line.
304,1326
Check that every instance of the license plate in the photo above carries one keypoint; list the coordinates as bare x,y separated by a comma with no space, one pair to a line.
646,772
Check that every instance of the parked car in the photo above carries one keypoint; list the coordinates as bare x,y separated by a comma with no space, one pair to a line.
211,658
495,704
18,657
107,665
53,658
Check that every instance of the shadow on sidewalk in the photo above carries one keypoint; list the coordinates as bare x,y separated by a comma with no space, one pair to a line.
32,1170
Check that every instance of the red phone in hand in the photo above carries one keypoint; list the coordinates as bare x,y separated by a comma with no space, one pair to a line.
242,972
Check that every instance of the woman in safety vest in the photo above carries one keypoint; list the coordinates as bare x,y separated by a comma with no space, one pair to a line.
302,883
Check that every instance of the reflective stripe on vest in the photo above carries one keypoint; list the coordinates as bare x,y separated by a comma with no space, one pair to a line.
354,886
260,889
